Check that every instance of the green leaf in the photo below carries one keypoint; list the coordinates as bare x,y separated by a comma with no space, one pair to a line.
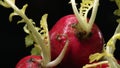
44,26
11,15
16,14
28,40
5,4
118,3
24,8
96,57
20,21
44,29
118,20
117,12
36,51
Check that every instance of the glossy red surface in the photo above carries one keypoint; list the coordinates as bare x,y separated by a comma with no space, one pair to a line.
79,50
27,62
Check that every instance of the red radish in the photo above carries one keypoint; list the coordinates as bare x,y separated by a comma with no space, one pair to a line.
82,41
79,49
29,62
103,66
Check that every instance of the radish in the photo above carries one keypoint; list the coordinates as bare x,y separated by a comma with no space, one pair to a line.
108,50
85,37
30,61
82,33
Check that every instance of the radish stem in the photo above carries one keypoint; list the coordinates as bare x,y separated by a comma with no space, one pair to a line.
46,52
42,41
60,57
95,64
110,48
86,5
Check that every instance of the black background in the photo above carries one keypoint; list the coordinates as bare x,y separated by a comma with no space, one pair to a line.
12,47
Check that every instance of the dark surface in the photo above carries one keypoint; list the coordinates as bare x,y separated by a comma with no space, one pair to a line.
12,35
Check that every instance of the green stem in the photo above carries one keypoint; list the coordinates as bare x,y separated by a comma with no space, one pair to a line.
60,57
94,13
83,24
95,64
46,53
110,49
112,62
117,29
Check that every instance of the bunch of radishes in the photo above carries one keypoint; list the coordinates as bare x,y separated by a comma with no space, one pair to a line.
73,42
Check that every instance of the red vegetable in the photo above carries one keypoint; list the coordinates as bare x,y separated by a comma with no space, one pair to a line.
79,49
29,62
101,66
84,36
